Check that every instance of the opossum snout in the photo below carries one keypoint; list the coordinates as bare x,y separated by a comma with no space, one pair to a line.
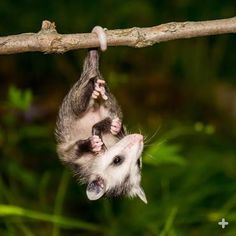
137,137
134,144
133,139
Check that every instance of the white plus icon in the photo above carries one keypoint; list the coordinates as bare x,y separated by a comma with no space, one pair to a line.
223,223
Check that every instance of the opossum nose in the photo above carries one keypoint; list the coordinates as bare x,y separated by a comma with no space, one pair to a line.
138,137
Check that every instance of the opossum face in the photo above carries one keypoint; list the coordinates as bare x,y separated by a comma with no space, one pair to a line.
117,171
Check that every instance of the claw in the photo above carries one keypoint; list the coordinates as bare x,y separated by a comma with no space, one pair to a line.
95,94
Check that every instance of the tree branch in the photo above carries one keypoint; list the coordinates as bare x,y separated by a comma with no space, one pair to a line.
47,40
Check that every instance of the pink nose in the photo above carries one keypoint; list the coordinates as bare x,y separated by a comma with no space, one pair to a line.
138,137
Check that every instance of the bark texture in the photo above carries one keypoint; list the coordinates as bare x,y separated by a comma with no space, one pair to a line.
48,40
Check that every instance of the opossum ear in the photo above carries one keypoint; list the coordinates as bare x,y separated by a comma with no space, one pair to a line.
141,194
95,188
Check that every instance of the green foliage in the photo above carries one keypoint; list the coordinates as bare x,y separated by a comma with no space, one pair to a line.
9,210
19,99
162,153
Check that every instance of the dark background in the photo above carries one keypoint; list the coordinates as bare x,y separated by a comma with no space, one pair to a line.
180,94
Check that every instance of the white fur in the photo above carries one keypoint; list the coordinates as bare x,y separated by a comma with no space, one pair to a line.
131,148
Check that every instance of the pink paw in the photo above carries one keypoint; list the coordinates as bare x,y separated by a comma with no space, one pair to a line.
115,126
99,89
96,143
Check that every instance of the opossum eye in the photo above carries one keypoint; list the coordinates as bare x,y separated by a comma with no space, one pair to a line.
118,160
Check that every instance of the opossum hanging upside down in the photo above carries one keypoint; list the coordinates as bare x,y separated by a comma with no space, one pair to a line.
92,140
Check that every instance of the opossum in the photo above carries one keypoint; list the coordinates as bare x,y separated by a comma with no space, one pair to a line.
92,140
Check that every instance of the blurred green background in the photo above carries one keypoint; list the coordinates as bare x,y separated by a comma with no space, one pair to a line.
180,94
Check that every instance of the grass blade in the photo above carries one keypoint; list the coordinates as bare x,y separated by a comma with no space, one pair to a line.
10,210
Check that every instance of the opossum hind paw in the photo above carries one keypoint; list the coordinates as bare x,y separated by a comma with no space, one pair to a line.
99,89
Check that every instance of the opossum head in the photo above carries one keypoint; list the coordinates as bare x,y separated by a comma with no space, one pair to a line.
117,171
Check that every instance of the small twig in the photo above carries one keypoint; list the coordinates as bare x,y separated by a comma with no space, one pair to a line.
47,40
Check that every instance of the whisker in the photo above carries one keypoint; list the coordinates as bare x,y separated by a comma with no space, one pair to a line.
156,144
161,142
148,145
140,132
154,134
149,155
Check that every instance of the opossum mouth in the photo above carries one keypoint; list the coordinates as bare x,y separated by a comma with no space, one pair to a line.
140,150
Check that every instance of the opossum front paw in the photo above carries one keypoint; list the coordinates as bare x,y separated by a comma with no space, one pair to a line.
96,143
99,89
116,126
